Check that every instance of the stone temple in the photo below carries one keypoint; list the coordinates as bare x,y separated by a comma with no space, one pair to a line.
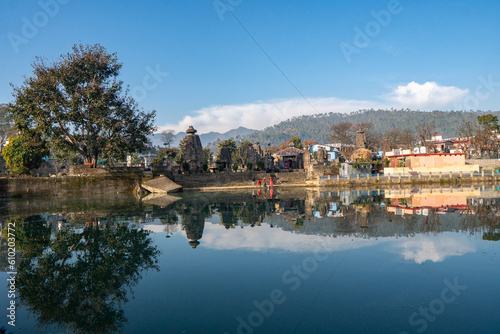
193,151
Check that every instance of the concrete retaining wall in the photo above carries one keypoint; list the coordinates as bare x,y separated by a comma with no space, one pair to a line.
196,181
60,186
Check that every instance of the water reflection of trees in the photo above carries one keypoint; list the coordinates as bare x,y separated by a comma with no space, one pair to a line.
365,214
80,280
483,217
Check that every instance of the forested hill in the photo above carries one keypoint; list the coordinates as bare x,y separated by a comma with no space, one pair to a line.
318,126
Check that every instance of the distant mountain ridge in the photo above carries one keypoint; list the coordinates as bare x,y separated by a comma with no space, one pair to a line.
205,138
317,127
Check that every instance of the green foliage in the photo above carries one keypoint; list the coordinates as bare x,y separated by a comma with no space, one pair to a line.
158,161
297,142
32,234
489,122
244,144
78,104
231,144
207,155
220,167
70,156
299,223
235,166
260,165
186,166
179,158
358,164
491,236
248,165
135,158
386,162
204,166
163,154
23,154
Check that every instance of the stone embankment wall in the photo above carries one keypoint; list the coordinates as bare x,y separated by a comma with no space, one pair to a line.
230,179
60,186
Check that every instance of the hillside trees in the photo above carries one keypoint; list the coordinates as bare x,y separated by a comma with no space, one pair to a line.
318,127
78,104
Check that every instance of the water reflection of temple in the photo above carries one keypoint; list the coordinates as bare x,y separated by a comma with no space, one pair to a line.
193,222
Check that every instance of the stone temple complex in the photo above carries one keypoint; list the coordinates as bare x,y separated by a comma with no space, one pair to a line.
193,151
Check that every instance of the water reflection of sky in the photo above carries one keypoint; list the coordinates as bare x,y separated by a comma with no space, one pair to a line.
264,238
383,260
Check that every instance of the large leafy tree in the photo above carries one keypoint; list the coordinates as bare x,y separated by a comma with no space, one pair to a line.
78,104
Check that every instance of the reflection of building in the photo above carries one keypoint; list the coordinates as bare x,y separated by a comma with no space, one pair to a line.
443,200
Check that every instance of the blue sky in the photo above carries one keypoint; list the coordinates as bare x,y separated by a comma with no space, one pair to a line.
272,60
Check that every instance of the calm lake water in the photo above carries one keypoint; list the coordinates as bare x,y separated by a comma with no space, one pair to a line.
304,261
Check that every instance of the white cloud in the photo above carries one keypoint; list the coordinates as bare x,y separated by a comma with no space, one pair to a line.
262,114
426,96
